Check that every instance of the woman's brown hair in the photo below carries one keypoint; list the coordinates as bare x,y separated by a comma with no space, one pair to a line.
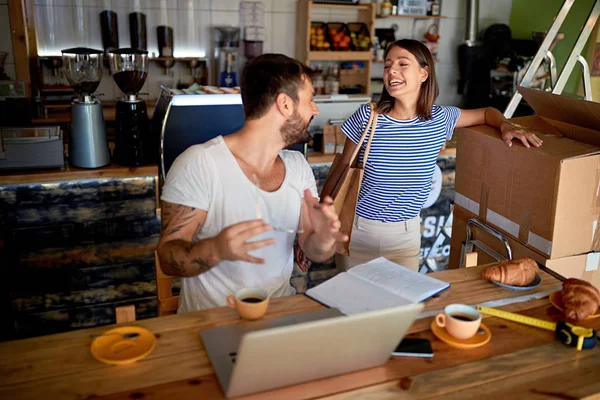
429,89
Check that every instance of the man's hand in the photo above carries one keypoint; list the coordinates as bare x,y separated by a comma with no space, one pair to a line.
325,222
231,244
512,131
181,253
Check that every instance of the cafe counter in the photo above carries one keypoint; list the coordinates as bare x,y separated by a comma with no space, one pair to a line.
74,244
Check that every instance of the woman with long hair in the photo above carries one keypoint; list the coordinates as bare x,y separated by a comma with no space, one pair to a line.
410,132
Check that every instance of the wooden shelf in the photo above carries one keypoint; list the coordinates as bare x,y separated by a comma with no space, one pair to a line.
450,151
304,16
63,117
340,56
413,16
317,157
343,6
204,59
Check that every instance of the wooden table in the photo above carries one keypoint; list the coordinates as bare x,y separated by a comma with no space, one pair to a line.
519,362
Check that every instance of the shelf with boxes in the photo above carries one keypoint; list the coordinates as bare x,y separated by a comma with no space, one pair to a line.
348,41
412,16
409,8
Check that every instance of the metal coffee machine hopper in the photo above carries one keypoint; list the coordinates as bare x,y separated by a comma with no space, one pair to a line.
134,144
88,147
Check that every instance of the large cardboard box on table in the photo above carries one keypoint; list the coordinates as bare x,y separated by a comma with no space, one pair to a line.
548,197
583,266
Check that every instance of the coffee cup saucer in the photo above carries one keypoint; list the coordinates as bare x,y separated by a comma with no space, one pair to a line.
479,339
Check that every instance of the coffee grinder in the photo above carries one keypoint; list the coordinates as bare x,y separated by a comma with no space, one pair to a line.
227,46
88,147
133,142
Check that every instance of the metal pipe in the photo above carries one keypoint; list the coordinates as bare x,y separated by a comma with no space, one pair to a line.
472,20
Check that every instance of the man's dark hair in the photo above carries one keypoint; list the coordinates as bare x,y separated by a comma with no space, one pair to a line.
269,75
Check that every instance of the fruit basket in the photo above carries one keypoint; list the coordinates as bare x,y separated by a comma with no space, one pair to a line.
340,36
319,37
360,36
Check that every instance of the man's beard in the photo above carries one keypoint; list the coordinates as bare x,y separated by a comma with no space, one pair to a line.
295,130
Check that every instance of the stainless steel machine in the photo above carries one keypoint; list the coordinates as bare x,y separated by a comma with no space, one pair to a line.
88,147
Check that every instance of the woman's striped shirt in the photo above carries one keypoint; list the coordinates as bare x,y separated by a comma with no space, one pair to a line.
401,162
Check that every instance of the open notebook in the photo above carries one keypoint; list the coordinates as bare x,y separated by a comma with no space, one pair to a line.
375,285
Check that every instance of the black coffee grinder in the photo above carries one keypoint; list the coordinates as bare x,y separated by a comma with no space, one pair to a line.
133,142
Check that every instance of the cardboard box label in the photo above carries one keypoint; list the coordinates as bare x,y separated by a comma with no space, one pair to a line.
539,243
466,203
591,263
503,223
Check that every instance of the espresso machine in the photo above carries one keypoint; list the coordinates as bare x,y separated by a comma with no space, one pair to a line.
134,144
227,47
88,147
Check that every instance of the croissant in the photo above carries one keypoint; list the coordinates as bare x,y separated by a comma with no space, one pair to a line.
580,298
519,272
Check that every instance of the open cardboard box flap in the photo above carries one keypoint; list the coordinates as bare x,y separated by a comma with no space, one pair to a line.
573,118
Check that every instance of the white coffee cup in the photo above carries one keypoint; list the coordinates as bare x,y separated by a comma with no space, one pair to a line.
461,321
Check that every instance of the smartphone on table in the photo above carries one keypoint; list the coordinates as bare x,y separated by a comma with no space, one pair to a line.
414,347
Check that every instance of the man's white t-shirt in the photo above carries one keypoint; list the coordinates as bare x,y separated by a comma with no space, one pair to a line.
208,177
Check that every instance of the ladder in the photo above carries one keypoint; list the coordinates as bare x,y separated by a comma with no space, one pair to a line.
544,53
470,243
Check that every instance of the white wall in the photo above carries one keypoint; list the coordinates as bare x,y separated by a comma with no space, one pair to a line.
6,40
68,23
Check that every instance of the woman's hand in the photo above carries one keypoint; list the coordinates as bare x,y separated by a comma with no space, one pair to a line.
512,131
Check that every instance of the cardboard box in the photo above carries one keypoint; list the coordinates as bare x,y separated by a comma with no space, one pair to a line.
353,77
583,266
547,197
329,140
340,139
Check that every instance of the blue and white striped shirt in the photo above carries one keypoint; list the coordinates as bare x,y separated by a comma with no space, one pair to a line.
401,162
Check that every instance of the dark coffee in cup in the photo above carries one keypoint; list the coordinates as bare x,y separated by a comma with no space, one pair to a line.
251,303
252,300
462,317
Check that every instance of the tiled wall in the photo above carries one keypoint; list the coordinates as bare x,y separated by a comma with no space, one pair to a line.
6,39
76,22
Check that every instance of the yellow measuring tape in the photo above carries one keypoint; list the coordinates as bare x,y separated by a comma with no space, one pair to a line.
569,334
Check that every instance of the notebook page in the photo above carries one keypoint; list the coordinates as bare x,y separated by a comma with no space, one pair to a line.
352,296
404,282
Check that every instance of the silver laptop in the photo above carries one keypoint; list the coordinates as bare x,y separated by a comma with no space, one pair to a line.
257,356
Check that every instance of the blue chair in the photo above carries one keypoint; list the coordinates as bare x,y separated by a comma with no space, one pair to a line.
183,120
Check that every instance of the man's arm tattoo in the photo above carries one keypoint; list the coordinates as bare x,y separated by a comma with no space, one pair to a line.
177,265
175,217
202,265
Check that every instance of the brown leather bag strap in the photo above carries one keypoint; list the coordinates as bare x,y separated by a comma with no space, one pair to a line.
368,149
374,116
354,158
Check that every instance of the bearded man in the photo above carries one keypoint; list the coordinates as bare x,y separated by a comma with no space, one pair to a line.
233,207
